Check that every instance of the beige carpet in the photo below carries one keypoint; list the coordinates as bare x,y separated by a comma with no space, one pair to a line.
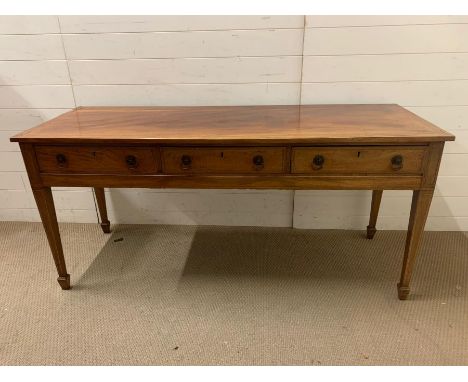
180,295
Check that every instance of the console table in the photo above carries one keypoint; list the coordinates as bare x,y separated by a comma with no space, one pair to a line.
345,147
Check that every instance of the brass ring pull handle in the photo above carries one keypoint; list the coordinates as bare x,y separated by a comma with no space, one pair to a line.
397,162
258,162
61,160
186,162
317,162
131,161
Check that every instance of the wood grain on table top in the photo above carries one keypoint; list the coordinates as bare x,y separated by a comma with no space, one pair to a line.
387,123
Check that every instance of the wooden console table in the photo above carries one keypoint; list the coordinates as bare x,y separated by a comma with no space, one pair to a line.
345,147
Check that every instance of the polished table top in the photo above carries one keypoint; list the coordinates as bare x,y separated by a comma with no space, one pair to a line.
386,123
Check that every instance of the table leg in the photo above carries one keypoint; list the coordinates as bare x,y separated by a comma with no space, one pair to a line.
101,202
45,204
419,211
375,205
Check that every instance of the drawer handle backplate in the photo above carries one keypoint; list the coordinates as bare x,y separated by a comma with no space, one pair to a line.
397,162
186,162
258,162
61,160
131,161
317,162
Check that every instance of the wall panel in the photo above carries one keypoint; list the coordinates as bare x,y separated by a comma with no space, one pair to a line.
187,94
112,24
258,43
228,70
31,47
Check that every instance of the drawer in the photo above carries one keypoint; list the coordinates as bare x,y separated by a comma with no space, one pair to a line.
224,160
96,160
358,160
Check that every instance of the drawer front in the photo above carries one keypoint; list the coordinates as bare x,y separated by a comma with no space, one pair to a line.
358,160
96,160
224,160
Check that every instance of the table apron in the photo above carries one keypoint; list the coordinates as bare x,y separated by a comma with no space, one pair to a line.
282,182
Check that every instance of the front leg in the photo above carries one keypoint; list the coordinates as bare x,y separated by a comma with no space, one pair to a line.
419,211
45,204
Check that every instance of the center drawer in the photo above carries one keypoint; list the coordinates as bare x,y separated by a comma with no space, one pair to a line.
97,160
224,160
358,160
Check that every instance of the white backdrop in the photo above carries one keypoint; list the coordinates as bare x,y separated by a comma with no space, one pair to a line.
49,64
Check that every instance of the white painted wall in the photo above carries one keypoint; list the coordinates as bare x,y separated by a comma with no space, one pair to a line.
50,64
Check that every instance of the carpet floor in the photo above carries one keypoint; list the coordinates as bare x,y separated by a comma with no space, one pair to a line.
185,295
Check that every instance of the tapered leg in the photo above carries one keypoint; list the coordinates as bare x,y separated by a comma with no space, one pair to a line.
419,211
375,205
101,202
45,204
